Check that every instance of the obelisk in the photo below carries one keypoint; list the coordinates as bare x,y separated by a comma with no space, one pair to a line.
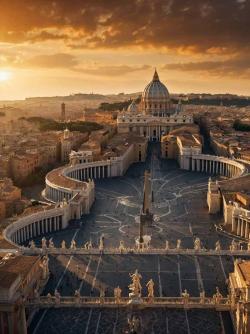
146,216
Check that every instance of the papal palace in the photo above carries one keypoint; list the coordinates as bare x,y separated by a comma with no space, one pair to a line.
129,176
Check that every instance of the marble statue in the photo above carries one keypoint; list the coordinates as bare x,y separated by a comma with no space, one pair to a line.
49,297
202,297
135,286
178,245
73,244
101,243
77,295
150,286
185,295
45,267
89,246
57,296
102,295
63,244
233,245
32,244
167,245
36,294
44,242
117,294
217,246
217,296
51,243
121,246
197,244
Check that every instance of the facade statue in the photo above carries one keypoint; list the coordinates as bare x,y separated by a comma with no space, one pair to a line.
57,296
197,244
135,286
32,244
178,244
167,245
202,297
102,296
44,243
101,243
63,244
77,295
73,244
217,296
117,294
45,267
185,295
121,246
217,246
36,294
51,243
150,286
49,297
233,245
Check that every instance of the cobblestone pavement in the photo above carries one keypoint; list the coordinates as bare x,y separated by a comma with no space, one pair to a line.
180,213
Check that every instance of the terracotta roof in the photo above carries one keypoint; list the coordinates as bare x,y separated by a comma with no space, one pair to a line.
245,270
7,279
20,265
56,177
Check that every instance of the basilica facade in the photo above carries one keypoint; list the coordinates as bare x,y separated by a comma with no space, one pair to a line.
155,115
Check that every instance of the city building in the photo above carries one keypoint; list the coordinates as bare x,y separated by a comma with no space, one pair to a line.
239,289
20,277
10,199
155,115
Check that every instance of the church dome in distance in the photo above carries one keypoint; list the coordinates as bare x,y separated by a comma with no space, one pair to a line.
132,107
155,89
156,98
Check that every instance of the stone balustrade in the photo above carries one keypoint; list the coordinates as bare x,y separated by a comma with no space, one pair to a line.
221,304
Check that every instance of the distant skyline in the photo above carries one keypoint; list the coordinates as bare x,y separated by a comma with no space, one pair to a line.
50,48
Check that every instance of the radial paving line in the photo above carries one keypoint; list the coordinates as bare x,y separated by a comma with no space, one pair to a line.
159,277
187,321
87,325
98,322
59,282
198,273
222,324
222,268
85,274
179,274
115,323
167,329
96,272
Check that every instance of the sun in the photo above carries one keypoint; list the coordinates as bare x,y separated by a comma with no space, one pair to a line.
5,75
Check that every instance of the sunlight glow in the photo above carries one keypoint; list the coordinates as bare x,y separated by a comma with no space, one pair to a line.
5,75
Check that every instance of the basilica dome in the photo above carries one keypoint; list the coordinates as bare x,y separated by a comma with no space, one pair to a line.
132,107
156,98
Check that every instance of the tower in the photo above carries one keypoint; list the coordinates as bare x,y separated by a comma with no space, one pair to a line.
63,112
146,216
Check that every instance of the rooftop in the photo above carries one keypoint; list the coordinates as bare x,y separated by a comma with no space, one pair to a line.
245,271
56,177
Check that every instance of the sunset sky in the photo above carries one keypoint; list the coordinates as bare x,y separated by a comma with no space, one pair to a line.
64,47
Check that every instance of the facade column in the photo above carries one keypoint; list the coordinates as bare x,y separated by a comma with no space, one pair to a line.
238,227
247,230
193,166
242,232
234,224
